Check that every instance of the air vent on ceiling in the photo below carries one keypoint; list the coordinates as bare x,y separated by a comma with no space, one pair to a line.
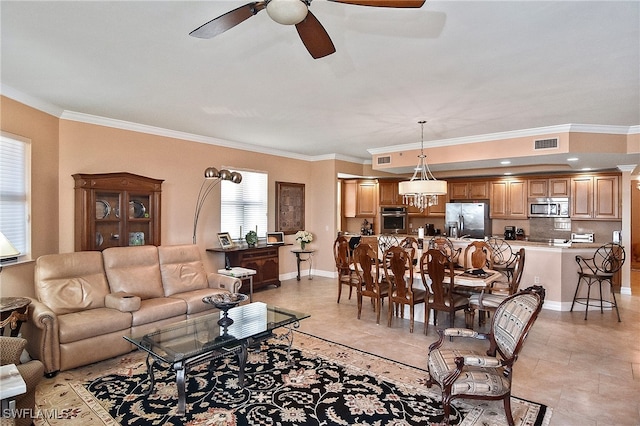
546,143
384,160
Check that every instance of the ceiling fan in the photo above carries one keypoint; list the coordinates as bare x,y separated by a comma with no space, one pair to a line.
292,12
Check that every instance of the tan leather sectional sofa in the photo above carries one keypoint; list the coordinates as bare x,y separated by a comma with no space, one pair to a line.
87,301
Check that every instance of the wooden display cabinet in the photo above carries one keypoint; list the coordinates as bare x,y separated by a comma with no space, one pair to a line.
116,210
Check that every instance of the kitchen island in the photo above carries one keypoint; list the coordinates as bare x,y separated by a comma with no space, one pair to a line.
552,265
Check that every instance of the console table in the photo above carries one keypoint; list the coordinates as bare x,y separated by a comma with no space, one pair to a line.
261,258
298,253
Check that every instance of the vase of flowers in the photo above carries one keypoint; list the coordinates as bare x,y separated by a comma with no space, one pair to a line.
305,237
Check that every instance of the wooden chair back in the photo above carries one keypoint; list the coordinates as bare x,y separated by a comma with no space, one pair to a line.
478,255
445,245
435,265
367,266
398,271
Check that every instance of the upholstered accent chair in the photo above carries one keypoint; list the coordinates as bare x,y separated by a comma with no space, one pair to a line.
462,373
344,265
599,269
435,266
489,299
398,272
371,284
32,372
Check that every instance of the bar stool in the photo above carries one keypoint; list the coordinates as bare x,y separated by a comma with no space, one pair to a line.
600,268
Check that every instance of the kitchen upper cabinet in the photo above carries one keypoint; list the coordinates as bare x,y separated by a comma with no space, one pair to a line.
359,198
366,198
554,188
349,198
388,192
595,197
508,199
469,190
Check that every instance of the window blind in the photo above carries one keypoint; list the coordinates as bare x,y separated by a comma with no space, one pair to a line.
244,205
14,191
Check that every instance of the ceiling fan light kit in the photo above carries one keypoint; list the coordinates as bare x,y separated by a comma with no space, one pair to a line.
287,12
292,12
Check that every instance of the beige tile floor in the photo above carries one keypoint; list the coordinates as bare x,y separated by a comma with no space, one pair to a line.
587,371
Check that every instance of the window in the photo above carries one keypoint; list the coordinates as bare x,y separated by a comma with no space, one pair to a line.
15,158
243,206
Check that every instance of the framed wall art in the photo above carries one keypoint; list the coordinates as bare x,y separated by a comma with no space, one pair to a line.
289,207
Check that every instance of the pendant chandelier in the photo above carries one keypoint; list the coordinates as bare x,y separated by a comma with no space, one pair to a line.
423,188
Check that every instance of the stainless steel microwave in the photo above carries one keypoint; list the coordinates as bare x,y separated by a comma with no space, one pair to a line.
549,207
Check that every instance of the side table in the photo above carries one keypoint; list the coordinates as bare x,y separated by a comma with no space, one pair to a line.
13,311
11,385
242,273
299,258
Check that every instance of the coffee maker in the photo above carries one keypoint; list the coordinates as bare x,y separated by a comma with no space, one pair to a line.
509,232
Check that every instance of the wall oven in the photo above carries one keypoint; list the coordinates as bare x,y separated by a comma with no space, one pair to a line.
549,207
393,220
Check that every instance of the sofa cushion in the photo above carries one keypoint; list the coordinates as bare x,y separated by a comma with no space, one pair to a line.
134,270
152,310
71,282
181,269
92,322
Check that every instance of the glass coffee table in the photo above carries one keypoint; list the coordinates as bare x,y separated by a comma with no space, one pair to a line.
207,338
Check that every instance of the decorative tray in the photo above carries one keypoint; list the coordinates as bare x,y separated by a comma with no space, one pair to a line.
225,300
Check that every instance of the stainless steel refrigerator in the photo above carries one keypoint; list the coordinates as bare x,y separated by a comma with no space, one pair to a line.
468,220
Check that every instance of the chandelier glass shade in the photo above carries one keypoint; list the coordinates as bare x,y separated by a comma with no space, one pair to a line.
423,188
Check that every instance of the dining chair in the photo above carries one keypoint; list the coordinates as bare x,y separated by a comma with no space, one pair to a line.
370,284
465,373
398,272
434,266
344,265
503,257
489,299
478,255
600,268
412,246
445,245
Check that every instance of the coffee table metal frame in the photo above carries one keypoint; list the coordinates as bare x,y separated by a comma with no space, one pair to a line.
204,340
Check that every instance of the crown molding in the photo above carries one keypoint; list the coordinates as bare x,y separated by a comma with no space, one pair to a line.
537,131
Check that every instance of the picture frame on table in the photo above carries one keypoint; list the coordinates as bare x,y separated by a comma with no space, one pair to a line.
275,238
225,240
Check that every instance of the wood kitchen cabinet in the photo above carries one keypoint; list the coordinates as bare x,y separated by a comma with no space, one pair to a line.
553,188
263,259
359,198
508,199
595,197
115,210
469,190
388,193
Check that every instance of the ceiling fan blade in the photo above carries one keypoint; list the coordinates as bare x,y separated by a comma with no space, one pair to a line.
315,37
384,3
227,21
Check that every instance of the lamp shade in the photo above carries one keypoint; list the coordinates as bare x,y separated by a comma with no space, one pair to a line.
7,250
426,186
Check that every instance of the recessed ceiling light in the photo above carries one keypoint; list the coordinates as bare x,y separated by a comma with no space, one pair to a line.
586,169
573,159
508,173
505,162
